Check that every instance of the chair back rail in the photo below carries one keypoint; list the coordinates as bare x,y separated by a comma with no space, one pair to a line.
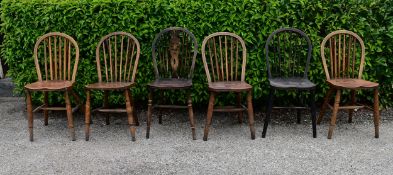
340,52
58,55
174,51
117,57
224,57
288,53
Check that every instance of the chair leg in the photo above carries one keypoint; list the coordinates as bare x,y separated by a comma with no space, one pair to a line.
239,102
313,114
209,115
350,111
324,105
334,115
29,114
376,112
149,113
78,101
250,110
268,113
87,116
46,116
298,116
191,115
159,110
130,114
106,105
135,113
70,118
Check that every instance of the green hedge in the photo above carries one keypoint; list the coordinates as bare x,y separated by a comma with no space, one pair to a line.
88,20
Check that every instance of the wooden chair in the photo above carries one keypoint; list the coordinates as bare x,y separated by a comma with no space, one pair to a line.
288,53
225,67
340,51
117,57
58,55
174,51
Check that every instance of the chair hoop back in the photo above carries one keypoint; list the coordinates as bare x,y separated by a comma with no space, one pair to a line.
340,55
174,51
60,51
117,57
224,57
288,53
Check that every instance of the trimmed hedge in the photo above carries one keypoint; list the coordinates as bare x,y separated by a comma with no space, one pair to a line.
88,20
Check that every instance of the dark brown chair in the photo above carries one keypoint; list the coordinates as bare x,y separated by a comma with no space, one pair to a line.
225,67
174,51
117,57
343,55
288,54
58,55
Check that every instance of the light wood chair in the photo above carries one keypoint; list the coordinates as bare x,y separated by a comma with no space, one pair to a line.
343,55
224,58
117,57
57,54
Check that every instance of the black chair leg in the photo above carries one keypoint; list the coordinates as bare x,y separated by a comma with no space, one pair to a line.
268,112
313,114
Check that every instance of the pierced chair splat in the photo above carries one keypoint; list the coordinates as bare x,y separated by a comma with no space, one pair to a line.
174,51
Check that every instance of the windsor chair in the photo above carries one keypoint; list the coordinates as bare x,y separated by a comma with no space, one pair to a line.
117,57
224,60
57,54
343,55
174,51
288,53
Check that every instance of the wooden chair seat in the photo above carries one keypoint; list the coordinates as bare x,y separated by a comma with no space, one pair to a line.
110,85
232,86
50,85
352,83
288,83
171,83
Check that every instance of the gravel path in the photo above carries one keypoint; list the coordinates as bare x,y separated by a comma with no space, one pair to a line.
288,148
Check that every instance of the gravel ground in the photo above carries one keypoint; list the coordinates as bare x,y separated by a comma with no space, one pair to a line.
288,149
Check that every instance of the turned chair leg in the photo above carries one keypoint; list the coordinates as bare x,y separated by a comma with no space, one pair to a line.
334,115
239,104
46,116
106,105
159,101
135,112
298,116
268,113
313,114
209,115
191,116
149,113
350,111
130,114
324,105
70,118
87,116
376,113
250,110
29,114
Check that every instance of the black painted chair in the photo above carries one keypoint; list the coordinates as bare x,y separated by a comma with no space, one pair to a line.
288,53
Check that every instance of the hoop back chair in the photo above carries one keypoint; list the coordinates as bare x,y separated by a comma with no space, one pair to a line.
56,57
117,58
224,59
174,51
343,54
288,53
